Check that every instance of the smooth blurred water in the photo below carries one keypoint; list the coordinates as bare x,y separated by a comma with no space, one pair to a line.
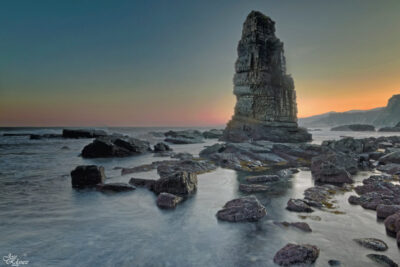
45,221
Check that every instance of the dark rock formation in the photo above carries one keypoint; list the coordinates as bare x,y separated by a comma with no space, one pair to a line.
115,146
87,176
334,263
266,106
179,183
115,187
81,133
383,260
192,166
333,168
242,209
262,178
393,157
293,254
392,224
355,128
298,205
184,137
372,243
213,134
253,188
149,184
168,201
44,136
161,147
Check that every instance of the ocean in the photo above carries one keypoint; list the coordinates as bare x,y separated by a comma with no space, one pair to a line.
46,222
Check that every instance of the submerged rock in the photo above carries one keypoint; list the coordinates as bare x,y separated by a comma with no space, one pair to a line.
115,187
242,209
179,183
382,260
266,106
300,225
372,243
298,205
168,201
293,254
87,176
115,146
253,188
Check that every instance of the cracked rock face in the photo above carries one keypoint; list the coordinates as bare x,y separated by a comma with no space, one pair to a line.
266,106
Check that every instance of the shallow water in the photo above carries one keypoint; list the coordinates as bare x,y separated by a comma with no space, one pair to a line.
45,221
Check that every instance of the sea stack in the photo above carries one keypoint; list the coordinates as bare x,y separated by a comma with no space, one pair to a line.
266,106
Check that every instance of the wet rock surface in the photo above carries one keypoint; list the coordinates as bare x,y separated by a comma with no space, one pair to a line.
262,179
383,260
184,137
179,183
372,243
242,209
253,188
213,133
139,182
298,205
299,225
334,168
87,176
293,254
161,147
355,127
384,211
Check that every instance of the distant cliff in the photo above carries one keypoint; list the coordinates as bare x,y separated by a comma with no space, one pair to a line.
379,117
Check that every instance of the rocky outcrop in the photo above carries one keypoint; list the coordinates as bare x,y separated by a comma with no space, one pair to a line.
299,255
115,146
393,157
82,133
168,201
266,106
184,137
242,209
355,128
87,176
333,168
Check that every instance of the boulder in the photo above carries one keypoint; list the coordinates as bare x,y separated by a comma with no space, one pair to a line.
262,178
391,168
87,176
298,205
115,187
384,211
372,243
253,188
82,133
242,209
167,200
179,183
334,168
293,254
383,260
355,127
161,147
115,146
213,133
346,145
392,224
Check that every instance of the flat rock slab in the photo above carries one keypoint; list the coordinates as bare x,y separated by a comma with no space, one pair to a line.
372,243
383,260
168,201
253,188
293,254
262,178
298,205
242,209
115,187
299,225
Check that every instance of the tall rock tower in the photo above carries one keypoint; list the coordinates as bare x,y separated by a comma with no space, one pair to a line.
266,106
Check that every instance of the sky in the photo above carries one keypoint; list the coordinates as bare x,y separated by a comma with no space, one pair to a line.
171,63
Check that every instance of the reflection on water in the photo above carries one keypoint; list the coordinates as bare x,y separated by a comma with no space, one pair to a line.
45,221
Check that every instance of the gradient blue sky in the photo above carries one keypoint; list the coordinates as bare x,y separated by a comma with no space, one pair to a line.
145,63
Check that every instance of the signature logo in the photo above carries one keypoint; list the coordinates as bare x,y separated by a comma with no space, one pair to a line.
13,260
